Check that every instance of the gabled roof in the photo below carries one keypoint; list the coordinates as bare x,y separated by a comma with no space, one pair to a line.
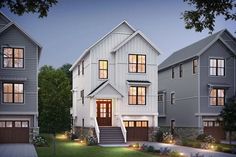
131,37
10,24
101,86
194,50
86,51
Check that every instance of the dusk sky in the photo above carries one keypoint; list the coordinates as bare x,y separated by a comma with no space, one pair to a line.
73,25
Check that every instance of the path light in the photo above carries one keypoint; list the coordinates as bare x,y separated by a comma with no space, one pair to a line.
181,154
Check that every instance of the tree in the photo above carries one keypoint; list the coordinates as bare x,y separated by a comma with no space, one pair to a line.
54,100
203,17
65,68
20,7
228,115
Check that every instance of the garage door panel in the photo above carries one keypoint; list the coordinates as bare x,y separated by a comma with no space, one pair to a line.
14,134
137,130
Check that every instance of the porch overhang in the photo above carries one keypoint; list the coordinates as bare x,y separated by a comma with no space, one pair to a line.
215,85
139,82
105,90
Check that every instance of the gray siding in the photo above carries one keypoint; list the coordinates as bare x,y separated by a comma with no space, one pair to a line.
186,92
16,38
217,50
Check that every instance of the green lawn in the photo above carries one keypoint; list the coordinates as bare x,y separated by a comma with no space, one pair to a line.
65,148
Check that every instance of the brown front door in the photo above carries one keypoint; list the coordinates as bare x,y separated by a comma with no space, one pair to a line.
104,112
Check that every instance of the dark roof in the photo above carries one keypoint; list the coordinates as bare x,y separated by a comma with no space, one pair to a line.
97,87
138,81
188,52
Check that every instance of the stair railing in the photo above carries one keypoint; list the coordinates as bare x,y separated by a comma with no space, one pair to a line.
97,129
123,129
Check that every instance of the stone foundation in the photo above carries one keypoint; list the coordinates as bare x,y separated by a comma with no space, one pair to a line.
152,131
83,132
183,132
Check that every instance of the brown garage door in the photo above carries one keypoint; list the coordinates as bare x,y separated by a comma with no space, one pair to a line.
14,131
215,129
136,130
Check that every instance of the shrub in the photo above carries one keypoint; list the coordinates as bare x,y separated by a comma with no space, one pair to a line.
150,149
209,139
201,137
164,151
91,140
74,136
40,141
167,137
144,147
175,154
159,136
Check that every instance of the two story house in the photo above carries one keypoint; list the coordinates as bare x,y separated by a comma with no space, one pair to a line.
19,57
115,87
194,84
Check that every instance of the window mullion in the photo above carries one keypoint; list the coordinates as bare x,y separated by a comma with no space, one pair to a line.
136,63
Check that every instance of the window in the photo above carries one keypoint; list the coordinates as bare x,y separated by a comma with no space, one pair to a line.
2,124
24,124
13,57
78,69
139,124
13,93
160,97
212,123
217,67
137,95
172,98
9,124
137,63
172,72
82,122
82,67
103,69
217,97
82,96
195,64
180,70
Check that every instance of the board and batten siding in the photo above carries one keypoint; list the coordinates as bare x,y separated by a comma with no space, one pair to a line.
137,45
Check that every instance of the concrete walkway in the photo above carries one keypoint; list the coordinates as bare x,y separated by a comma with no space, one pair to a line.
186,150
17,150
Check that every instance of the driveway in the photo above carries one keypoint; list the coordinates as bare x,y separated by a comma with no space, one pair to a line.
17,150
187,150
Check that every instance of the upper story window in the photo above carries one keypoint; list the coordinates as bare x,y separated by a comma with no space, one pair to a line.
160,97
82,96
103,69
217,97
79,69
82,67
172,98
13,93
180,70
195,64
217,67
137,63
137,95
13,57
173,72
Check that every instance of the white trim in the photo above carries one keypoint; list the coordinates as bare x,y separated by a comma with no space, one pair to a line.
139,114
198,92
18,113
222,40
131,37
207,114
89,48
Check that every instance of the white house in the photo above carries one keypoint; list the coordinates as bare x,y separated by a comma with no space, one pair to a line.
115,87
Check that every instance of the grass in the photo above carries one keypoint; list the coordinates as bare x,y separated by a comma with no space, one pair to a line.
65,148
219,146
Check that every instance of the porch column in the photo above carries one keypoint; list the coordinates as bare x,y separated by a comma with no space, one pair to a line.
155,121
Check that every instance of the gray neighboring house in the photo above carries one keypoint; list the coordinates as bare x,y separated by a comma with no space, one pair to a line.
19,57
194,84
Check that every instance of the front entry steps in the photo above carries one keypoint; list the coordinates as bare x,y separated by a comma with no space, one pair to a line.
111,135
